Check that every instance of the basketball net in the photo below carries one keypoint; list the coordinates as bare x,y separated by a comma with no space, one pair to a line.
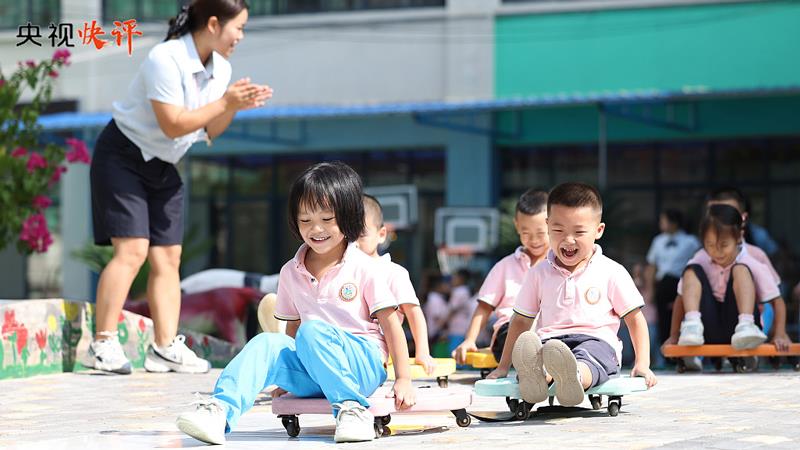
453,258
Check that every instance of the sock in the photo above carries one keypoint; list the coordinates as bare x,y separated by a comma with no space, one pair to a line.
746,318
695,315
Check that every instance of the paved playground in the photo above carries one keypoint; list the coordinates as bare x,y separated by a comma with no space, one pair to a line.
720,411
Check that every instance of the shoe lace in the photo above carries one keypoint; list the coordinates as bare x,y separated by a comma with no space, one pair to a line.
202,402
179,348
356,411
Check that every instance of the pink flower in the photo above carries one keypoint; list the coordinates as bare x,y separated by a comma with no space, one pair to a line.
30,63
36,161
61,55
41,202
35,233
79,152
2,82
56,177
19,152
53,74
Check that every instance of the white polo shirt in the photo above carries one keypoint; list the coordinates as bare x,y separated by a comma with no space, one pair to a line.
173,74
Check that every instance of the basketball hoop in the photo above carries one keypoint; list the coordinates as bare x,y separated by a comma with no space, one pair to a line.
451,259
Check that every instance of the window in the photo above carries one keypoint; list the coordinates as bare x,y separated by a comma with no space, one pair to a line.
142,10
239,202
41,13
161,10
276,7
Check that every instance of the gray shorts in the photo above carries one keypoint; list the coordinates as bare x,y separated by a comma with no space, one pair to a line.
595,353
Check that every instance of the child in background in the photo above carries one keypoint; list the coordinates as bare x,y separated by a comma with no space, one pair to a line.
329,293
502,284
399,281
721,285
460,305
579,295
436,311
777,333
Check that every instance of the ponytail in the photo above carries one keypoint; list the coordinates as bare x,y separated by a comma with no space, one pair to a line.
195,15
179,25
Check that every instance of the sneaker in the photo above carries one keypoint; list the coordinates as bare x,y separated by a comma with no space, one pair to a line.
206,423
527,360
563,367
354,423
746,336
175,357
691,333
107,355
693,363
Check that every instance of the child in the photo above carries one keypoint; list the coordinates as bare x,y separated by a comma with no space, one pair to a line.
721,284
736,199
460,307
329,293
399,281
436,307
580,296
502,284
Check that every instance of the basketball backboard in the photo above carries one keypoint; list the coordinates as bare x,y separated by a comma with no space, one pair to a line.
470,228
399,204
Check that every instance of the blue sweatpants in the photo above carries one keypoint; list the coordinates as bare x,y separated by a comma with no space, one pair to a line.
322,361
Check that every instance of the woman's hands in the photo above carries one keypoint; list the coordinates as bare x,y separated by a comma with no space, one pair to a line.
242,94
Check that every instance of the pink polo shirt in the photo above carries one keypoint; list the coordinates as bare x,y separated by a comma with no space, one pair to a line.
765,283
348,295
500,288
589,301
399,282
760,256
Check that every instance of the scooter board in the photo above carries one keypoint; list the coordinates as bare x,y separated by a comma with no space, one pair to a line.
289,408
615,388
441,373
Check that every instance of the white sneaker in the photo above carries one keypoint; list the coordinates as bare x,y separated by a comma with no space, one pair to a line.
746,336
175,357
206,423
527,359
691,333
354,423
107,355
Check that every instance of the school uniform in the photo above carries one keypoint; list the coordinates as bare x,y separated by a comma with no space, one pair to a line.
718,308
339,351
581,308
669,253
500,289
399,283
136,189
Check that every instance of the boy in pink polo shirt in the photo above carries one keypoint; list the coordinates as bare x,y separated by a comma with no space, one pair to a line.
579,296
721,285
399,281
502,284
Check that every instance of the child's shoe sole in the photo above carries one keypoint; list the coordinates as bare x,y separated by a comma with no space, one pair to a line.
199,432
563,367
527,359
747,342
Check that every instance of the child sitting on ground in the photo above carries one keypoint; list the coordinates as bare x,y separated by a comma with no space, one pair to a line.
579,295
399,281
721,284
329,294
501,286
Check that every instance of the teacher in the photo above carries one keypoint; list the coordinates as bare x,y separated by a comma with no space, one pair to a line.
179,95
